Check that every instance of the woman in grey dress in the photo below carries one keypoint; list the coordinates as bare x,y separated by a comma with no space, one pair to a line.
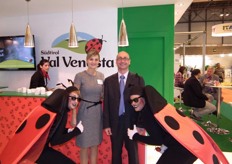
90,83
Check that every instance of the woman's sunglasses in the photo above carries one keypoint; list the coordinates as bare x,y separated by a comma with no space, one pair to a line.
75,98
135,99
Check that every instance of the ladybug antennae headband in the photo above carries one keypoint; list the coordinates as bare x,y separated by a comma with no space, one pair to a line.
69,80
61,84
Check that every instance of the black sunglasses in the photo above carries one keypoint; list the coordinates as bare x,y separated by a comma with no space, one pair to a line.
75,98
135,99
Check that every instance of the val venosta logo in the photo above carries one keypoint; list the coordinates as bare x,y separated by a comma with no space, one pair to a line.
62,42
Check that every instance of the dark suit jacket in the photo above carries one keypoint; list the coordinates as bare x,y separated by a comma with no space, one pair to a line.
193,95
112,99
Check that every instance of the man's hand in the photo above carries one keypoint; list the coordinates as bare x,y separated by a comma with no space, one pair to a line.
131,133
80,126
205,81
108,131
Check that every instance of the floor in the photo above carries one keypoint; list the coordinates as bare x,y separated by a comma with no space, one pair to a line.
152,156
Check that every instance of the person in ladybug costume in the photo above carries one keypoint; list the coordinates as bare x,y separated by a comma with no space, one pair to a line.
182,141
59,133
43,128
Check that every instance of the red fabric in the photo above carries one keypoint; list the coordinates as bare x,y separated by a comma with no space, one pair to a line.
36,149
29,141
45,74
190,135
13,110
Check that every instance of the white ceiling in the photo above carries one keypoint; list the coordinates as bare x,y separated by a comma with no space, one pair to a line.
12,8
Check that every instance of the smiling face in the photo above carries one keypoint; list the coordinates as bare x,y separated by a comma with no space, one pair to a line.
73,100
123,62
137,102
93,61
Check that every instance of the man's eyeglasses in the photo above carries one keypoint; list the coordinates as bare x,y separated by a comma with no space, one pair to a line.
135,99
125,59
74,98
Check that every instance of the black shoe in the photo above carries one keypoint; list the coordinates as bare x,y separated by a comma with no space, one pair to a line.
214,113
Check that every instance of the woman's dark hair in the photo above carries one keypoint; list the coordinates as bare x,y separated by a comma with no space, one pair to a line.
41,63
182,69
195,72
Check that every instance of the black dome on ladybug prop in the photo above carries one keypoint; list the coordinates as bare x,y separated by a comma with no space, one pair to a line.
54,101
155,101
94,43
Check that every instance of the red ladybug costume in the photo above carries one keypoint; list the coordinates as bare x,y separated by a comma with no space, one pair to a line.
189,135
43,127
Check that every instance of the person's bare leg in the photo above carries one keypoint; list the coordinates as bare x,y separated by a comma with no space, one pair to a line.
84,155
93,154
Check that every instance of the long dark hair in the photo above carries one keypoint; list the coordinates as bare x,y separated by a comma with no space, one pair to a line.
41,63
182,69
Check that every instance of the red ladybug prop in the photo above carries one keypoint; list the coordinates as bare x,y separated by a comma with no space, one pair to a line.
94,44
183,129
35,131
29,139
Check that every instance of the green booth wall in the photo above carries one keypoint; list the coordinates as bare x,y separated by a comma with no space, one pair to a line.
151,38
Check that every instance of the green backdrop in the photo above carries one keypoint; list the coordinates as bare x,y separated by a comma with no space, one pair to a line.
151,38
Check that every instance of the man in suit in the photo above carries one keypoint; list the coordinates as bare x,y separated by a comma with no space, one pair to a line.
115,122
194,97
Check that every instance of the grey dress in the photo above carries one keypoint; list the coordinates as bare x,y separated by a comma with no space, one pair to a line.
91,88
